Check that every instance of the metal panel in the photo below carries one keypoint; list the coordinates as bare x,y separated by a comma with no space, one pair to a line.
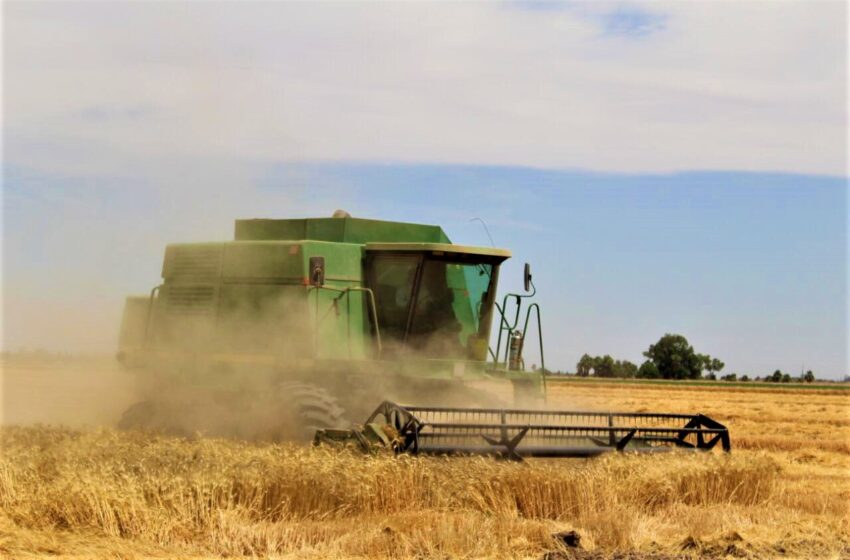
192,299
192,260
340,230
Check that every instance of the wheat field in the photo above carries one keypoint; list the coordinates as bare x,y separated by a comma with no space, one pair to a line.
783,492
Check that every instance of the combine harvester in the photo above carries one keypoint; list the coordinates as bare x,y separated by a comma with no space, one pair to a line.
298,327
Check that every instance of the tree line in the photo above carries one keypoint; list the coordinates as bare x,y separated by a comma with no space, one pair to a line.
672,357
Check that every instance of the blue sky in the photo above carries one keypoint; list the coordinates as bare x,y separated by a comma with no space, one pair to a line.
665,167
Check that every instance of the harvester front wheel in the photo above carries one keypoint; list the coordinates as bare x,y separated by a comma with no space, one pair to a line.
307,408
150,415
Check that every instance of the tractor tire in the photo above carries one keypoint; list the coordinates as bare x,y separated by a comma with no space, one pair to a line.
291,412
138,416
306,408
152,416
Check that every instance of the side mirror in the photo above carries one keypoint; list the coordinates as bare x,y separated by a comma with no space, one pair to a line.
526,277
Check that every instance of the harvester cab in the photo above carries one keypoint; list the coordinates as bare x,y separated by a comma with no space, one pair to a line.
300,326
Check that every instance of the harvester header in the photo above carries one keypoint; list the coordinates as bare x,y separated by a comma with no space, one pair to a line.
518,433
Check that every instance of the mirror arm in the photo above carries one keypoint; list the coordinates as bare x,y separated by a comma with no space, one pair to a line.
533,289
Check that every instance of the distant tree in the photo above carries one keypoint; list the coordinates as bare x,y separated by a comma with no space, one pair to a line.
648,370
709,364
675,358
745,377
809,377
786,378
775,378
717,365
584,366
730,377
711,376
625,369
603,366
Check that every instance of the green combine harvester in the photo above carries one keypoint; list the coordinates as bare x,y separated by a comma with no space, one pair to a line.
299,327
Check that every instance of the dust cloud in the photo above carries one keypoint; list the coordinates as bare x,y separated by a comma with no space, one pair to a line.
76,391
243,368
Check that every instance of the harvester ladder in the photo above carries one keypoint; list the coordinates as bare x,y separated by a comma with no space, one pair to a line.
510,328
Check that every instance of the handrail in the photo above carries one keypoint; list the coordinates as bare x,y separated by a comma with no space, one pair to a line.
149,316
345,292
495,360
535,307
504,325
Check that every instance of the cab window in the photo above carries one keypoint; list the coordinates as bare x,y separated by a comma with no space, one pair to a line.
392,282
431,307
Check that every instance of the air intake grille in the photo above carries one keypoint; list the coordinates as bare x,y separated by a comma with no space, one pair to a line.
190,299
195,261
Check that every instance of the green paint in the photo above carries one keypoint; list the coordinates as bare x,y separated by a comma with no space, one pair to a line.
339,230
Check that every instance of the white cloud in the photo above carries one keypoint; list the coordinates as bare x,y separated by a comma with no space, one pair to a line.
745,86
182,107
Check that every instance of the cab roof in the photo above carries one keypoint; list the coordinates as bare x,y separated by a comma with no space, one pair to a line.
442,249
